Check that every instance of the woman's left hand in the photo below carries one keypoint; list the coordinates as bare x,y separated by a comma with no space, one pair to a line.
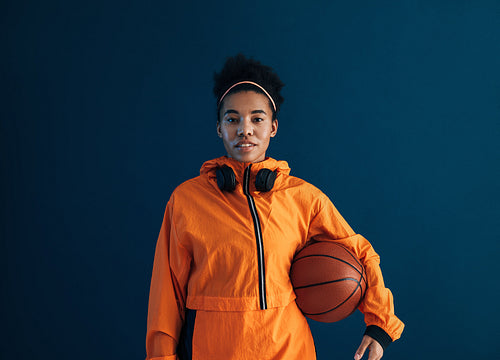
376,350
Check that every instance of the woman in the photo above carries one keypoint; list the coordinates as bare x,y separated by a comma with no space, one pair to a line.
220,287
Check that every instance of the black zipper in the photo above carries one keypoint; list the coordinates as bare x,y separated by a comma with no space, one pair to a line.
258,237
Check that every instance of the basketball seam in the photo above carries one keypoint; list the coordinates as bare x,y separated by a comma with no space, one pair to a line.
357,260
326,282
366,285
332,257
343,247
339,305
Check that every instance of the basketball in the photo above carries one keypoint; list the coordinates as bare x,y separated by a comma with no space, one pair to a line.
328,280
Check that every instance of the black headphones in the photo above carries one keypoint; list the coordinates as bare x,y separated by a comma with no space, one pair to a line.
226,180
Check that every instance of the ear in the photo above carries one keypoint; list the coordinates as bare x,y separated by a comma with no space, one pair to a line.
274,127
219,132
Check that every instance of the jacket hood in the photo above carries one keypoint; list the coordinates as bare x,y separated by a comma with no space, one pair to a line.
281,167
239,167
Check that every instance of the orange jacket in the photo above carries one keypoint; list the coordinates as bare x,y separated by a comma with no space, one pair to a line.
207,258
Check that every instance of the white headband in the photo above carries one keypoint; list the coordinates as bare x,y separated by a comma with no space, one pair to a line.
248,82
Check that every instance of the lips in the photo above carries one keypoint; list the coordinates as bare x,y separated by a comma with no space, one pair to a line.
244,145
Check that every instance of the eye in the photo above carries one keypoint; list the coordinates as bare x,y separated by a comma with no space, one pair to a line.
231,120
258,119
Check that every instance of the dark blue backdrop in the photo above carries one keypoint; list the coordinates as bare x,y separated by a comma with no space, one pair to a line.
392,109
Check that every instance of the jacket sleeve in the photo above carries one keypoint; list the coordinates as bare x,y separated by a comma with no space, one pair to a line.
377,306
167,292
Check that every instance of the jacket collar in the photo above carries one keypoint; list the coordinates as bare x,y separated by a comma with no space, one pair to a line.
239,167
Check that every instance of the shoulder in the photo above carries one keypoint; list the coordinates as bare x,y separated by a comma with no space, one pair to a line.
300,185
189,189
303,189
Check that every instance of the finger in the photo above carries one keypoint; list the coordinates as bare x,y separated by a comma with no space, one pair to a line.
361,349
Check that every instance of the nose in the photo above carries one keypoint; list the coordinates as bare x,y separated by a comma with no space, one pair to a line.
245,128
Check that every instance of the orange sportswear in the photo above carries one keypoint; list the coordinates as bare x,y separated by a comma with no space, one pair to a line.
216,257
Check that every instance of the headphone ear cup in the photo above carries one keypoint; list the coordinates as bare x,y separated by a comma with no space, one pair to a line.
264,181
226,181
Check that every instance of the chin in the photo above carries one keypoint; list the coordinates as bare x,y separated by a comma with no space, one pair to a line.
247,158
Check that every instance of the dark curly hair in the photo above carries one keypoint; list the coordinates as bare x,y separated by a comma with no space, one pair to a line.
240,68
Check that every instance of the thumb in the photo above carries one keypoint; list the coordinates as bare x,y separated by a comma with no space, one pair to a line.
361,349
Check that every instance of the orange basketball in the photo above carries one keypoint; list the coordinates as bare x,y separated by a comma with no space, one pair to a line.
329,281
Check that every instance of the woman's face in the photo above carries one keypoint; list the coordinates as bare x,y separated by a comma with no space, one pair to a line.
246,126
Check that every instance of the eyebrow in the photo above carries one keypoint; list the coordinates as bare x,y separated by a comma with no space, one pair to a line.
231,111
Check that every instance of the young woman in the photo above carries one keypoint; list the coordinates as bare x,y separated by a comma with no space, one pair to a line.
220,287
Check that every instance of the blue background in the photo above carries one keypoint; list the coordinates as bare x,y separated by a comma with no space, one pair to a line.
391,108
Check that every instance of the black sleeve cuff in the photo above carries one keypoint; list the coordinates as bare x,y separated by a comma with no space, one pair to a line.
379,335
